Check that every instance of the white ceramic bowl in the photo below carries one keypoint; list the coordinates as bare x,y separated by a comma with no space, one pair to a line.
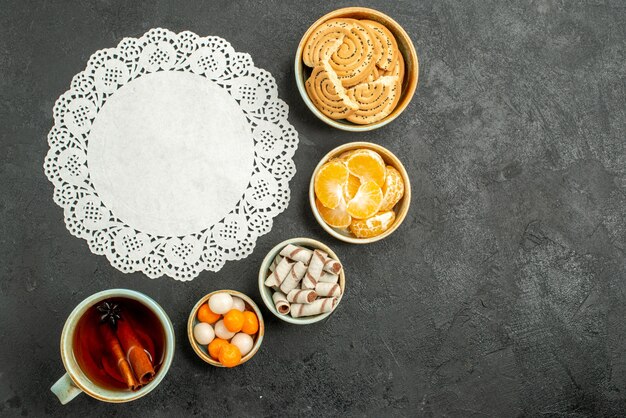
266,292
401,208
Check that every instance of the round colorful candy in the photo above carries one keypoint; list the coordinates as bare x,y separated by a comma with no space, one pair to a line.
220,303
222,332
203,333
243,342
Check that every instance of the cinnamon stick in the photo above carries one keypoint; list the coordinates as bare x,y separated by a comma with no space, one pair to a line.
137,357
119,358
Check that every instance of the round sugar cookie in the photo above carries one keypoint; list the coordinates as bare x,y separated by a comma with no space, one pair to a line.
398,69
324,41
373,75
376,100
327,93
356,56
387,42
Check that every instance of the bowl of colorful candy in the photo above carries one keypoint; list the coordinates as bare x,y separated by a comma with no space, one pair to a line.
360,192
225,328
301,281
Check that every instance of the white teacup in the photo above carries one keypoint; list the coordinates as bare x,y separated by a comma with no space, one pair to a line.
75,381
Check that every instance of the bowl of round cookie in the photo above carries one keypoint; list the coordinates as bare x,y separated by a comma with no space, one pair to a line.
356,69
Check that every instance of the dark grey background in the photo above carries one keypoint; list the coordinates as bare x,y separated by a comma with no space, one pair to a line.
503,293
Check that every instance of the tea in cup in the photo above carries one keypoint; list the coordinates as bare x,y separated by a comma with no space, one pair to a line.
116,345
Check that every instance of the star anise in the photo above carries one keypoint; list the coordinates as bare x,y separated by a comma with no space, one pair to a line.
110,312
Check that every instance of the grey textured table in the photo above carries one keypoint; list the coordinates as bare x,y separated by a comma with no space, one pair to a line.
504,291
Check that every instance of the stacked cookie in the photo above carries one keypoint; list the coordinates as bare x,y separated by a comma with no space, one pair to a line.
357,70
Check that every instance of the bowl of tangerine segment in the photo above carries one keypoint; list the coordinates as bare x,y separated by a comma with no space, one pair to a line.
225,328
360,192
301,281
356,69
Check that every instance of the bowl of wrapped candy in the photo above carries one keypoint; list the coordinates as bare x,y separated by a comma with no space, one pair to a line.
301,281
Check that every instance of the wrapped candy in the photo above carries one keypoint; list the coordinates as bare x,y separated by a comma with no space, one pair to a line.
295,253
328,289
314,271
276,278
327,277
301,296
281,303
317,307
293,277
332,266
277,260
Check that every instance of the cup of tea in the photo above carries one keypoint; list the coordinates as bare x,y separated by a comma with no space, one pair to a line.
117,346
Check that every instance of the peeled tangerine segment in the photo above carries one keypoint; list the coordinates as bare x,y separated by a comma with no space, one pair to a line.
329,182
337,218
344,155
327,93
393,190
376,99
351,187
367,165
371,227
366,202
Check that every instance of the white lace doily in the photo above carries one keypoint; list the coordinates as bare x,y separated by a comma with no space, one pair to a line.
171,154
